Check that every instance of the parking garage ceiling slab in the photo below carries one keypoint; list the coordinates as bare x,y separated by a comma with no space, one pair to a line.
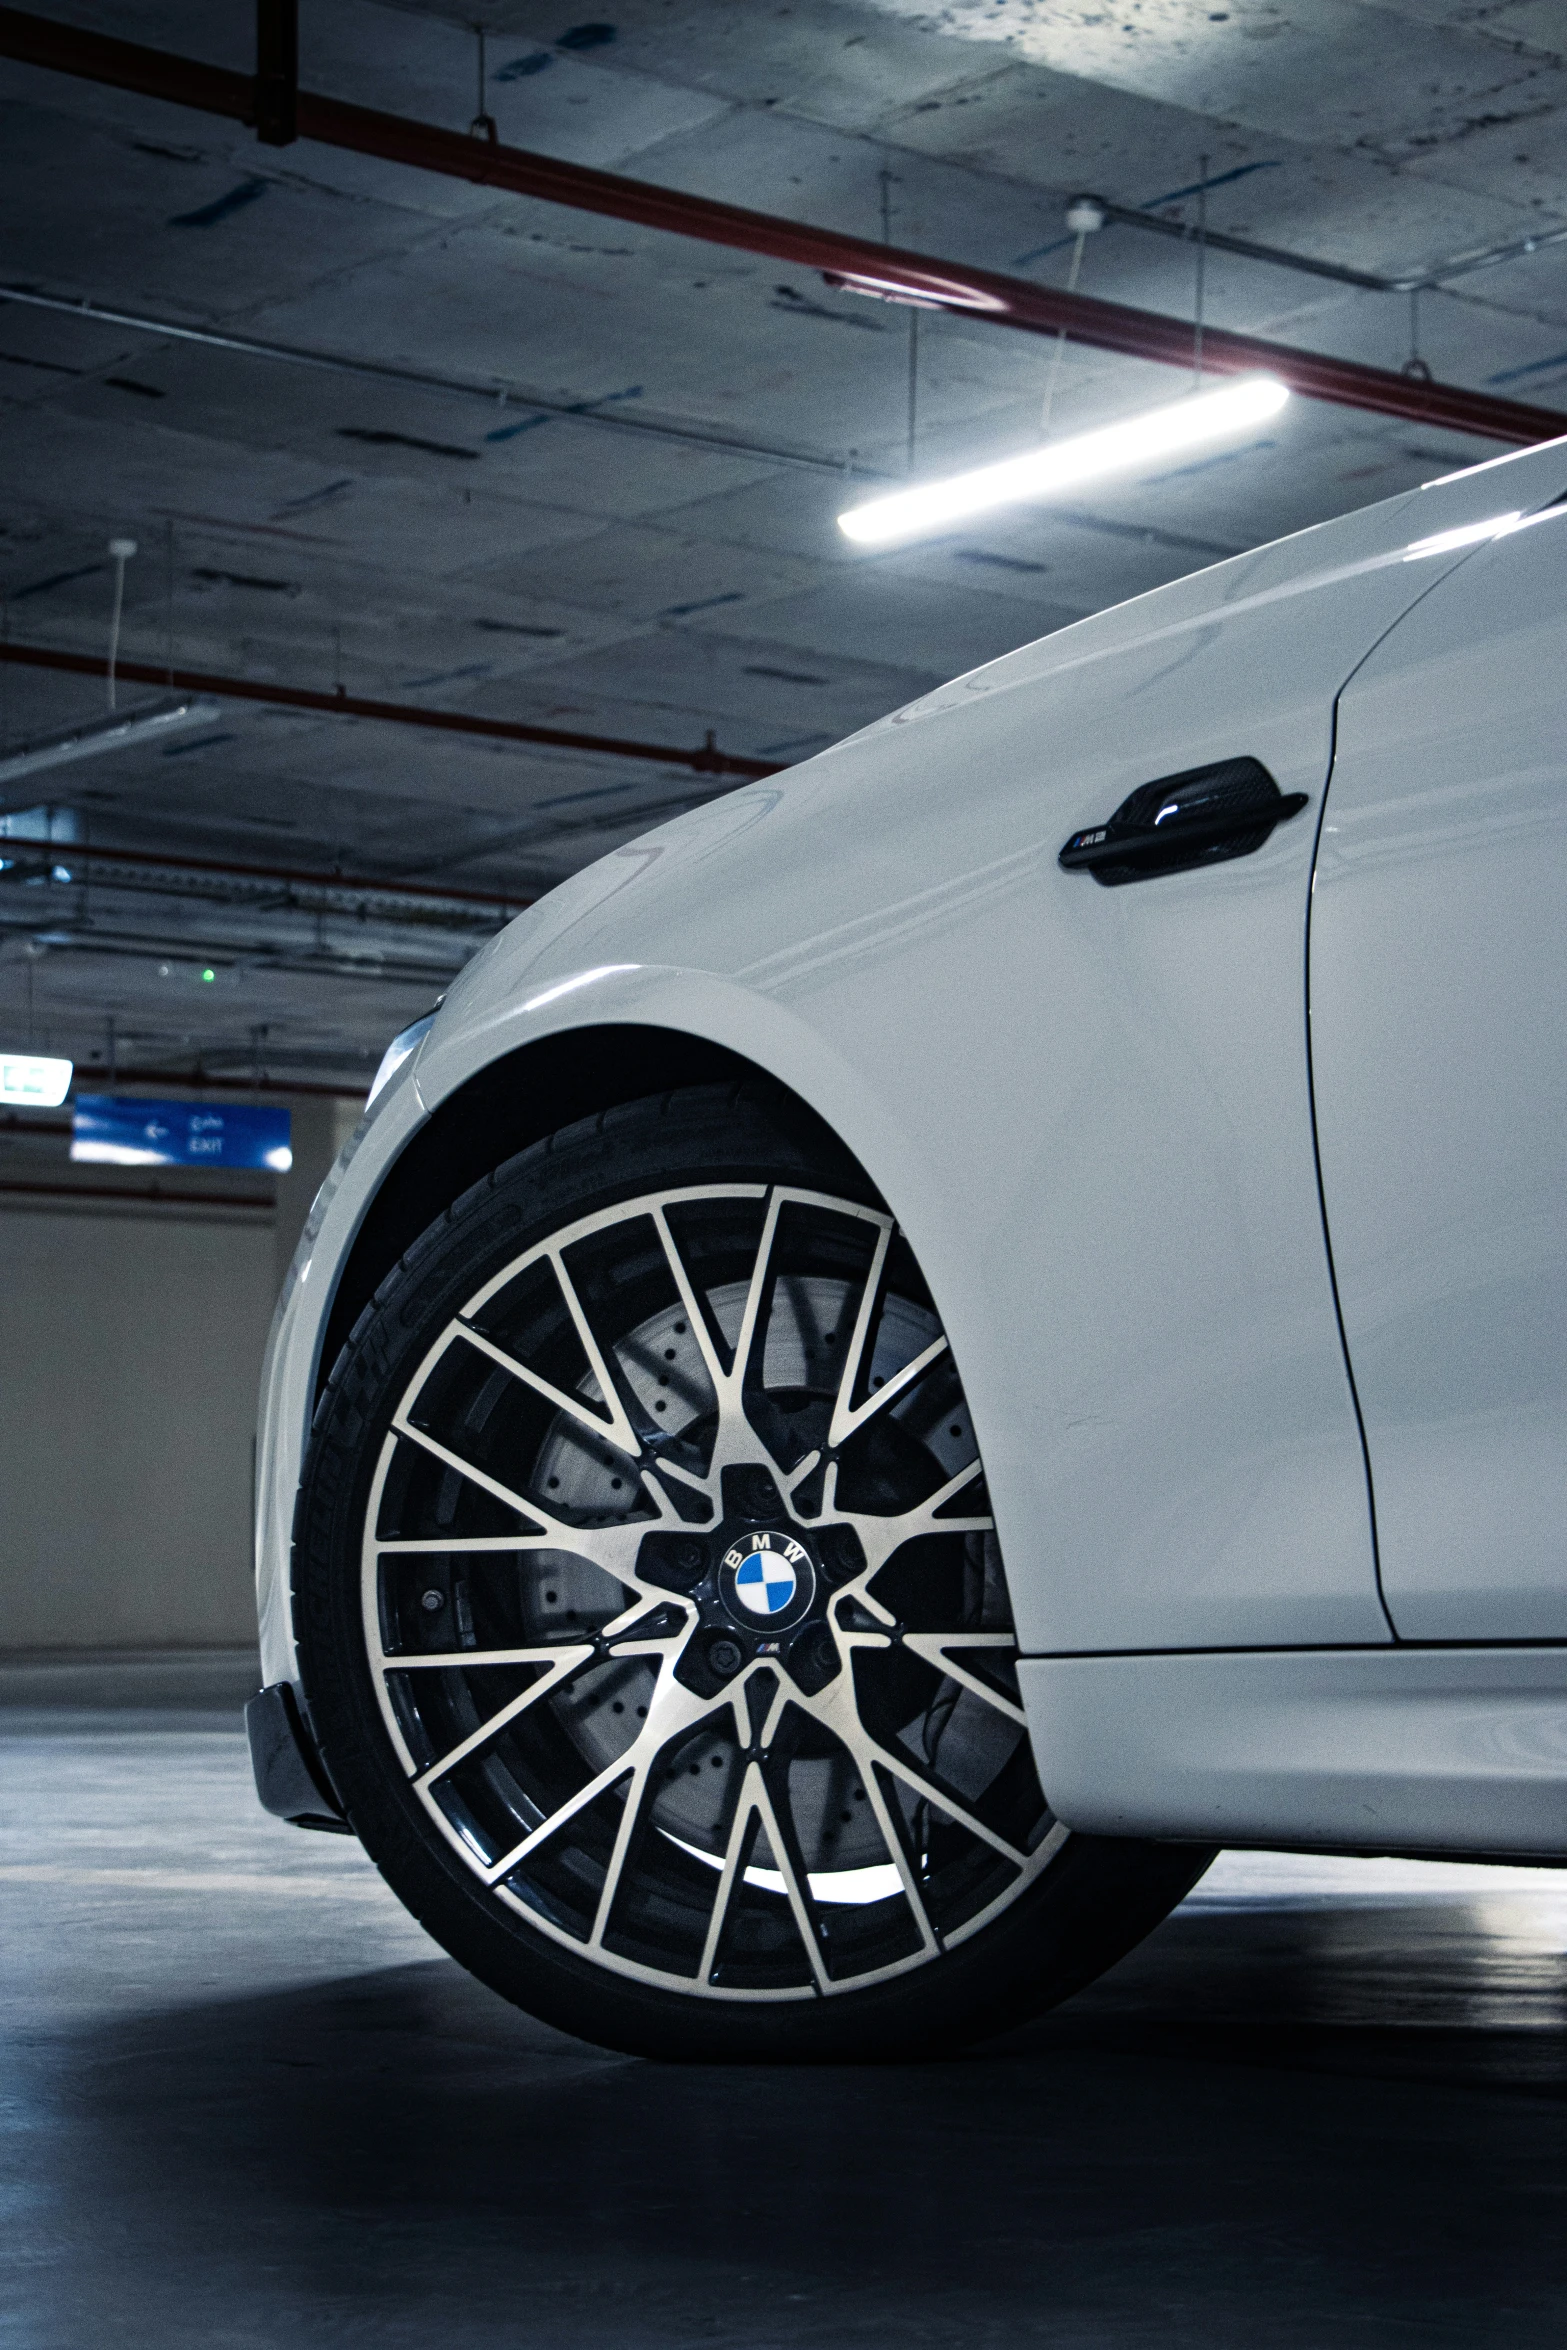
661,562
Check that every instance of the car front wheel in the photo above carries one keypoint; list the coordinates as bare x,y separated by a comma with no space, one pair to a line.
652,1620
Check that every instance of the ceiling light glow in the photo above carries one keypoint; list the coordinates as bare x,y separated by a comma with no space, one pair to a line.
1059,465
29,1082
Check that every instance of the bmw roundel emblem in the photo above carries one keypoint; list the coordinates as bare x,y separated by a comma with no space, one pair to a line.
768,1575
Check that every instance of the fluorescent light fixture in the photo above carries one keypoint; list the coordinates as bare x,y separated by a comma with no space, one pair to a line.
918,290
1059,465
116,730
569,986
28,1083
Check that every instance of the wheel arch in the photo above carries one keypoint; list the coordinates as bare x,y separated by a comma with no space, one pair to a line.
510,1103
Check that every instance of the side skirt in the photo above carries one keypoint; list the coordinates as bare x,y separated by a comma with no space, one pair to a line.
1456,1751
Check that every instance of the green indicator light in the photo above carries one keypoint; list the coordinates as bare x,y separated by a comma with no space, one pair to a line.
209,973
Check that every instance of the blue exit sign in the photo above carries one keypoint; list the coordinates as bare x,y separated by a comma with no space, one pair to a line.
115,1133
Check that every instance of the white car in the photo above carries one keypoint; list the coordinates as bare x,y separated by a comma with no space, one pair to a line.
923,1346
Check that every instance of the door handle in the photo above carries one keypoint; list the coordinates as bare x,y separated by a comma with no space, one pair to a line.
1200,817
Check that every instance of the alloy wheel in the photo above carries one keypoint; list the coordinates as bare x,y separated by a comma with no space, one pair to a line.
684,1607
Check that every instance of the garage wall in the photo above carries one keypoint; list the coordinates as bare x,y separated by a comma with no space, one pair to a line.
131,1344
131,1339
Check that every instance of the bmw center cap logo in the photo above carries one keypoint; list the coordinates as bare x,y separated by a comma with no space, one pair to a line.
768,1581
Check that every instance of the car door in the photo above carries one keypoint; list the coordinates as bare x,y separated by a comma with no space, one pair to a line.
1439,1058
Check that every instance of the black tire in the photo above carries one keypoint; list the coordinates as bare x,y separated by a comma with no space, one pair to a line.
948,1885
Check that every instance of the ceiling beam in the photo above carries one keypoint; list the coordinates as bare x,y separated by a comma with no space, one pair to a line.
708,760
856,263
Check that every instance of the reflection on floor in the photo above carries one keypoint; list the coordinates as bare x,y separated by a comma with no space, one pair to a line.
247,2103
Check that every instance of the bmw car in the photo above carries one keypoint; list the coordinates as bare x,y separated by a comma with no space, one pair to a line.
922,1347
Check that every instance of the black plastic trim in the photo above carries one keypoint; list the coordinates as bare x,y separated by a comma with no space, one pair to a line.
291,1778
1203,816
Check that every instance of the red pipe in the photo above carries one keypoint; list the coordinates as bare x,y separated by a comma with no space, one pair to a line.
706,761
852,261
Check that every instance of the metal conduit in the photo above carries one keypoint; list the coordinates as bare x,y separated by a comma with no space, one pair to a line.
1430,280
495,393
82,855
855,263
708,760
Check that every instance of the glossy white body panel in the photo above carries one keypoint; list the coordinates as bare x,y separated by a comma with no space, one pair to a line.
1439,1037
288,1375
1089,1108
1379,1750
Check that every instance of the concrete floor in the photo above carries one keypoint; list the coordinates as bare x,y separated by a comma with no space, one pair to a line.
246,2102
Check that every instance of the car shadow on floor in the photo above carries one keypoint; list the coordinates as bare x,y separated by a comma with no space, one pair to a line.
1295,2128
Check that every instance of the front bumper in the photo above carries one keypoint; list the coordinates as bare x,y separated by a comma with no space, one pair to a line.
293,1360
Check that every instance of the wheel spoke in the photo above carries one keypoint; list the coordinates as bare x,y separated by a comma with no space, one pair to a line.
695,1310
925,1519
403,1426
780,1837
576,1407
613,1547
620,1431
686,1477
852,1421
460,1659
936,1648
897,1847
672,1709
797,1476
563,1663
842,1416
756,1290
630,1812
835,1708
950,1804
848,1417
465,1543
880,1536
734,1859
734,1442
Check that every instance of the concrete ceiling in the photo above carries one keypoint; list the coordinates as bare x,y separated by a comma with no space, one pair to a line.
440,547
